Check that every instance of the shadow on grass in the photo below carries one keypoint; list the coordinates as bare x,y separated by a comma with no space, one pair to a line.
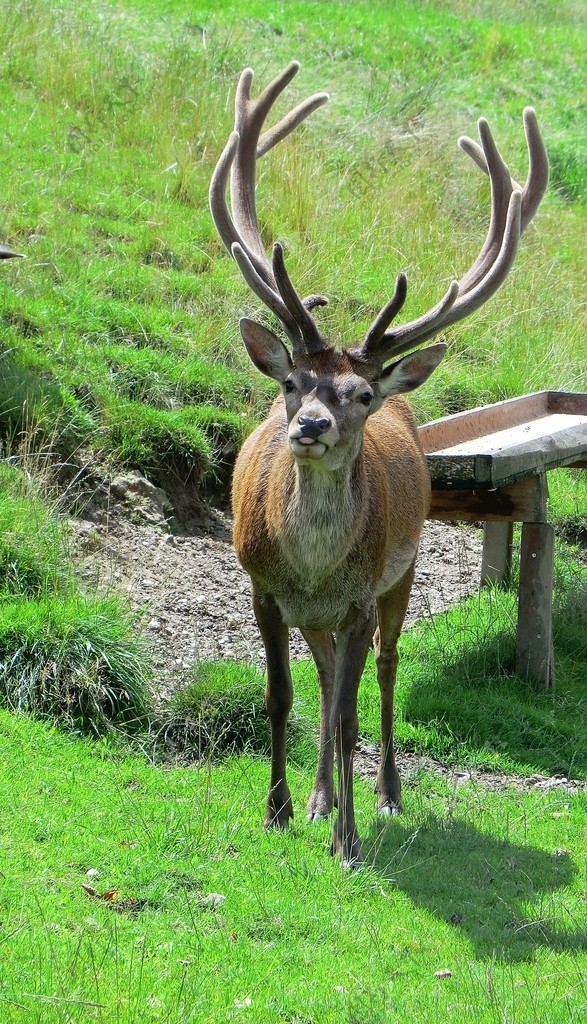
462,687
503,895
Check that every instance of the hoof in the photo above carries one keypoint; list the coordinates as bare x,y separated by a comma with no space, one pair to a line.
319,806
388,808
278,814
352,865
317,816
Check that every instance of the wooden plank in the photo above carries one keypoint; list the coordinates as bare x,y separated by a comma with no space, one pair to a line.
463,426
521,502
496,564
486,419
555,431
567,401
534,652
507,455
465,470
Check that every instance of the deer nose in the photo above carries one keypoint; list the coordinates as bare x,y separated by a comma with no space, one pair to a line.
312,427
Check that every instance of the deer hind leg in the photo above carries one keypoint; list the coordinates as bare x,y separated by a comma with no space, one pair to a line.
321,800
391,611
352,645
278,701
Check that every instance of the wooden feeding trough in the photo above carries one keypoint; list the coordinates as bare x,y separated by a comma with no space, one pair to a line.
490,464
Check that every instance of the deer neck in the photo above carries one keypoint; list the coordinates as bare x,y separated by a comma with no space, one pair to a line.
323,513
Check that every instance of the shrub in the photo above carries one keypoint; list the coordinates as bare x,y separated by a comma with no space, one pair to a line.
222,712
73,659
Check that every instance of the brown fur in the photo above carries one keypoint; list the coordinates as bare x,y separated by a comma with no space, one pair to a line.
323,550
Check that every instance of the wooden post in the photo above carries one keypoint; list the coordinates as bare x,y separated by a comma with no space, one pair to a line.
497,552
534,653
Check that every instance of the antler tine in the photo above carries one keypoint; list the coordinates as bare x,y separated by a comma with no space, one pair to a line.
512,208
248,121
313,341
253,270
388,313
535,186
502,186
283,128
239,230
267,295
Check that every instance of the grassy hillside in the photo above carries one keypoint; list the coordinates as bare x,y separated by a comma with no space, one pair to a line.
119,330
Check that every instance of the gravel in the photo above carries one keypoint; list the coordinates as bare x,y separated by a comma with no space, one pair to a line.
193,597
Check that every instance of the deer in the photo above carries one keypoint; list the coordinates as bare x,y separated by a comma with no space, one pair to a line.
331,491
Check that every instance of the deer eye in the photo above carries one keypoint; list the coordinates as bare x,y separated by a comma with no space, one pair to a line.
366,397
288,386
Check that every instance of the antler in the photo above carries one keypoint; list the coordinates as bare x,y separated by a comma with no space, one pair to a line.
239,229
512,209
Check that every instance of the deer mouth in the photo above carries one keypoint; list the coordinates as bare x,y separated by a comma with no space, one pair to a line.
307,447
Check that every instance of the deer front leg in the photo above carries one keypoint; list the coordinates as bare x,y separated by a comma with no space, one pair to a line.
278,701
391,610
321,798
352,645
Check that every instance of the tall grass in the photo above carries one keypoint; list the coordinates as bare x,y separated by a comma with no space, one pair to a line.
63,656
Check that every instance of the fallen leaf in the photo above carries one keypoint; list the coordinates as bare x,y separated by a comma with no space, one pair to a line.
109,895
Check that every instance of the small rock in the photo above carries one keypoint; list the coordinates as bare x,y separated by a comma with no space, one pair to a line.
212,901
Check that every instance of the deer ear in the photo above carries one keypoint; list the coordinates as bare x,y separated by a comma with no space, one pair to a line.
266,350
411,371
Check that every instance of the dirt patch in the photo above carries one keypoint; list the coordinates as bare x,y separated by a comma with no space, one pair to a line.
191,593
411,765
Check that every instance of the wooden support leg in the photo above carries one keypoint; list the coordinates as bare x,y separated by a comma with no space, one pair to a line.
497,552
534,655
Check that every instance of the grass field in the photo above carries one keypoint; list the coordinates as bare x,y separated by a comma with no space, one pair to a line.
118,344
200,916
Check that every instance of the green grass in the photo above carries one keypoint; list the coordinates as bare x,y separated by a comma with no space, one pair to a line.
126,294
73,660
32,561
65,656
221,712
488,886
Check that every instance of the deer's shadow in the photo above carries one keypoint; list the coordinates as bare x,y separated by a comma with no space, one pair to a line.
507,898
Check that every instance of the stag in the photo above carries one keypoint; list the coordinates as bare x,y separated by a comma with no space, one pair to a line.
330,493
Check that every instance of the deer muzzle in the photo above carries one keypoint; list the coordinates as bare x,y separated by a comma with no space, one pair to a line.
310,437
